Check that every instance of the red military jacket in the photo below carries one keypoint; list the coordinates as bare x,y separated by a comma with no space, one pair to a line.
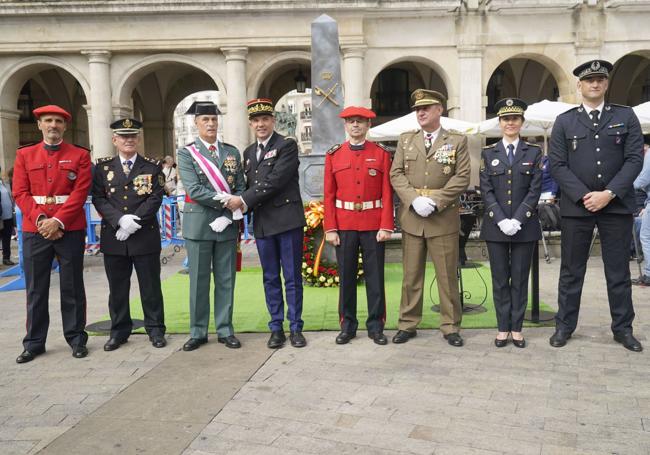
65,172
355,177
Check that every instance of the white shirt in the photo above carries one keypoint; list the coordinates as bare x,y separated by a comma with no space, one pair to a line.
132,159
434,134
506,143
208,145
600,108
264,143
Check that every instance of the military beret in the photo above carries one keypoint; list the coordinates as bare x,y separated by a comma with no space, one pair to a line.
510,106
422,97
126,127
593,68
259,106
52,109
354,111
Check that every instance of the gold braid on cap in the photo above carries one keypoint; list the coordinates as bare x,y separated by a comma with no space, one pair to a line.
510,110
257,108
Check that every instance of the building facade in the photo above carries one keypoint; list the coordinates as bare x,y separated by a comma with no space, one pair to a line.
104,60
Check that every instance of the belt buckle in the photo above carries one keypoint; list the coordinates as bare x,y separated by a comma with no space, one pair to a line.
50,200
358,206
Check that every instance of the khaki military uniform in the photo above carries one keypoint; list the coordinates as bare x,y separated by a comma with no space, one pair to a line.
441,173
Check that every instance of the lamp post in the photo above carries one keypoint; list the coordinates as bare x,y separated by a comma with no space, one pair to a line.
301,82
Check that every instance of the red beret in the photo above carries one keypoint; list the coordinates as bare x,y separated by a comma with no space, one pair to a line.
51,109
354,111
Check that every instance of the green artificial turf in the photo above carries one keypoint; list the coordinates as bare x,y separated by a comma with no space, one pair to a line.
320,307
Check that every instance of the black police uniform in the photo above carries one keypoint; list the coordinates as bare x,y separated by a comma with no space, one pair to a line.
140,193
585,156
510,191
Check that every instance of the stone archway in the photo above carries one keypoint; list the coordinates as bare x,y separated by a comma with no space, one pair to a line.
276,76
521,77
392,85
152,88
33,82
629,83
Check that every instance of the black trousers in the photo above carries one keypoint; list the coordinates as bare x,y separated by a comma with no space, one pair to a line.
118,271
510,266
7,232
347,254
38,255
615,233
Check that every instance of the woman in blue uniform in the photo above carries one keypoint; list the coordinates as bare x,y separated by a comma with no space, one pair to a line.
511,179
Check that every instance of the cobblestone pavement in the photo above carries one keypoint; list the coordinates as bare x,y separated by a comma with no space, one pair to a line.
424,397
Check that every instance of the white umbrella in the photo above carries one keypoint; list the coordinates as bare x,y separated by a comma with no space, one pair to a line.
390,131
643,112
490,128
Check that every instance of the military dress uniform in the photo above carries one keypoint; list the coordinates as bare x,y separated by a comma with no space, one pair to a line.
209,250
596,151
118,191
511,177
358,202
441,172
52,181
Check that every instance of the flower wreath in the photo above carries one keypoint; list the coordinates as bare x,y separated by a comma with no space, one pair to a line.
316,271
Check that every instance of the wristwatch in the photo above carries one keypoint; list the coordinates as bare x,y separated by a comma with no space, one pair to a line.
611,193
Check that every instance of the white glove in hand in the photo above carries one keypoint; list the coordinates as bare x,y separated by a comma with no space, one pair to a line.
121,235
220,223
507,227
127,222
222,197
516,224
423,206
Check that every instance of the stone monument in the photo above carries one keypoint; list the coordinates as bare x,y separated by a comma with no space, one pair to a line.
327,103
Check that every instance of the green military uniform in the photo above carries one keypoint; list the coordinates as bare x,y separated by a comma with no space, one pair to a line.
441,173
206,248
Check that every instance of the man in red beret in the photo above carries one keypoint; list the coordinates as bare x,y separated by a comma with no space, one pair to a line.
359,213
51,183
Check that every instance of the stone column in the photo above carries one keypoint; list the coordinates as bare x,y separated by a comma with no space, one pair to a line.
9,137
99,64
236,121
471,99
353,77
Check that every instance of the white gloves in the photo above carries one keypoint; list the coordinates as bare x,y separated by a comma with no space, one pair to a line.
127,222
509,226
224,197
121,235
423,206
220,223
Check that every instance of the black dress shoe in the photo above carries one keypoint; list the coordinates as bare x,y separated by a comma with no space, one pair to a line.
28,356
79,351
402,336
158,341
297,340
378,338
276,340
8,262
500,343
519,343
628,341
454,339
194,343
113,343
345,337
559,338
230,341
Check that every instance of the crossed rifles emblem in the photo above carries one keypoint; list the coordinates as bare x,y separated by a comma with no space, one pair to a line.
327,95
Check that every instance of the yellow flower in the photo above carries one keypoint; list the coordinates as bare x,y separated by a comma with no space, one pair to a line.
321,279
309,270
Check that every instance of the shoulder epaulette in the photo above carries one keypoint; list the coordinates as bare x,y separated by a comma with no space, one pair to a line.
384,147
104,159
532,144
617,105
333,149
82,147
188,144
410,132
27,145
151,160
489,146
228,145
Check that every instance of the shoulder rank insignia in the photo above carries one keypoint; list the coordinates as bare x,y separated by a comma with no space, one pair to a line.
333,149
151,160
485,147
531,144
104,159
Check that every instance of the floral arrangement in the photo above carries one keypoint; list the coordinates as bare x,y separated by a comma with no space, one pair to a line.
317,271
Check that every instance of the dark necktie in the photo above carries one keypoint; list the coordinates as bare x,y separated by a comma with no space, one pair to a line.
213,151
594,116
511,153
260,149
127,167
357,147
